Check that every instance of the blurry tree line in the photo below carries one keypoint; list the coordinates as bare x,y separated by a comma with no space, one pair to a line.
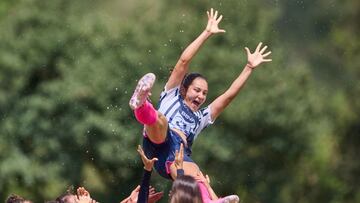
68,69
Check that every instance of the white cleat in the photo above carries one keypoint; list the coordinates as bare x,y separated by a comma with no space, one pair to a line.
142,90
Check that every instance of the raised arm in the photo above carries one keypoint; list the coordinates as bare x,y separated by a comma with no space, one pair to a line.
253,60
181,67
143,196
179,160
206,180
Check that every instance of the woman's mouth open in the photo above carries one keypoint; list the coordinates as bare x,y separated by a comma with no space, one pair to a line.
196,103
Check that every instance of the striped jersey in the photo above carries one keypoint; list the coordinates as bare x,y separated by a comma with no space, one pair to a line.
181,117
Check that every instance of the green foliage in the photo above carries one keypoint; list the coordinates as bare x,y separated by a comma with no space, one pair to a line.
68,68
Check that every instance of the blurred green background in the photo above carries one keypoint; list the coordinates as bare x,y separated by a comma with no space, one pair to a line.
68,69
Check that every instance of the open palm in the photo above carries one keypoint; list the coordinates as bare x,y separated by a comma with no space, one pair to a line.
258,57
213,22
148,163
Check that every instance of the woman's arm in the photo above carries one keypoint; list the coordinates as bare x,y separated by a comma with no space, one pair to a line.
211,191
145,182
254,59
181,67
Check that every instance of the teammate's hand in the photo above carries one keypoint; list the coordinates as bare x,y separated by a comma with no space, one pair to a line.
179,157
148,163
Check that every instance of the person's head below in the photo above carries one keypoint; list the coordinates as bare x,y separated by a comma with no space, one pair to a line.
70,196
66,198
16,199
185,190
194,89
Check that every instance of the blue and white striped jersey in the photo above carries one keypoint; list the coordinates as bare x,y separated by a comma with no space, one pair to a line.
181,117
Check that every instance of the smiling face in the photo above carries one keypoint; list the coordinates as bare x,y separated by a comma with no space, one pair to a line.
196,93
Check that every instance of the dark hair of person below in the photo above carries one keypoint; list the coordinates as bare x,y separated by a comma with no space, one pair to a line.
64,197
185,190
13,198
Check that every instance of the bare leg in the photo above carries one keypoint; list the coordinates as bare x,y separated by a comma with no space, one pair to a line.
190,168
155,123
157,131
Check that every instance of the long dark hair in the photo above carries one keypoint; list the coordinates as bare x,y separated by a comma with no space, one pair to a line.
185,190
187,80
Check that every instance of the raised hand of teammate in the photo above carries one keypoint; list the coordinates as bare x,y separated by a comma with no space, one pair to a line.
203,178
154,196
83,196
179,157
148,163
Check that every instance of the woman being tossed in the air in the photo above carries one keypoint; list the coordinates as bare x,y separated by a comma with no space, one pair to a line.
179,118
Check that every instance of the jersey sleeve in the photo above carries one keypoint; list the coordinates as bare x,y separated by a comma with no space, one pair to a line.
205,119
166,95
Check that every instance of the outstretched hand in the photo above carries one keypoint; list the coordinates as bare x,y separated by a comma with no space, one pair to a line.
213,21
258,57
179,157
133,196
201,178
148,163
83,196
154,196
